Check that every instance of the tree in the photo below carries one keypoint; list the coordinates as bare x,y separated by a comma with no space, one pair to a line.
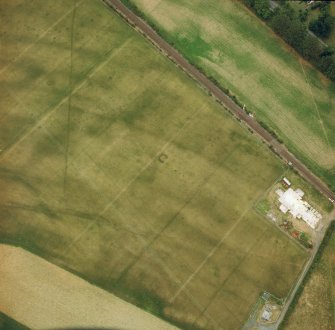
280,23
303,15
323,25
311,48
329,51
290,28
262,8
327,66
249,3
296,34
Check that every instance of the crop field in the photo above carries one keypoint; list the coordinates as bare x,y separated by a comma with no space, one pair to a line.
230,44
116,166
318,295
58,299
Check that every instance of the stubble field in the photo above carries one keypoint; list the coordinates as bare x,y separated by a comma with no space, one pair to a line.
58,299
232,45
116,166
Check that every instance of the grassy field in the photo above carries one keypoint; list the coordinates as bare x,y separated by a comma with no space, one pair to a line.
116,166
318,295
232,45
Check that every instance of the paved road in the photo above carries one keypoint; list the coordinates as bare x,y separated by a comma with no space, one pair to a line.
191,70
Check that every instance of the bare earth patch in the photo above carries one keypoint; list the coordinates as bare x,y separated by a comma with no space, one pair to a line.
43,296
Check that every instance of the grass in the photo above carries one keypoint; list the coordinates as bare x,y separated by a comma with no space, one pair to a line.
263,206
142,184
316,296
234,47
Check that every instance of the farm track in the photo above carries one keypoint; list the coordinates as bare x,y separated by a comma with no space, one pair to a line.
223,98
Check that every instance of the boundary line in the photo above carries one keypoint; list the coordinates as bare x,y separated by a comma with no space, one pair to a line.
67,143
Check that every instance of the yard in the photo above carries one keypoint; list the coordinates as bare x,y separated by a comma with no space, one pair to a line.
116,166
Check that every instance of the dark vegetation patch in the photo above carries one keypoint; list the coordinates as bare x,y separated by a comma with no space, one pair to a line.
7,323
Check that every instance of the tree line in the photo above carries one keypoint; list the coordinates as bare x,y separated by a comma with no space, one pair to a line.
291,26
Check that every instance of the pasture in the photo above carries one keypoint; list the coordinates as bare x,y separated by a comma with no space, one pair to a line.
116,166
232,45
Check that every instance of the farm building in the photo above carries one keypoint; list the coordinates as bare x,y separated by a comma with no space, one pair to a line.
292,202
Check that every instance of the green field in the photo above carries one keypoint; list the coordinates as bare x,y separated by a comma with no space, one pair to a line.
318,295
232,45
116,166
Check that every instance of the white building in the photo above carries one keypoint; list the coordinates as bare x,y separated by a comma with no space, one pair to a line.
291,201
266,315
286,182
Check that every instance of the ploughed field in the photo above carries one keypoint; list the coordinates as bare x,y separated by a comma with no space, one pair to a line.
285,93
116,166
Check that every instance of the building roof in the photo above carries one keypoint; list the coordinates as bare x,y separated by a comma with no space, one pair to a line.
291,200
266,315
283,208
279,192
287,181
300,192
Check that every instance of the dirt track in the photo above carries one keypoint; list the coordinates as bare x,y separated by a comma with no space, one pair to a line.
41,295
173,54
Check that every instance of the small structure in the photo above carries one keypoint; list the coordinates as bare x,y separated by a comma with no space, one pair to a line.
266,316
286,182
292,202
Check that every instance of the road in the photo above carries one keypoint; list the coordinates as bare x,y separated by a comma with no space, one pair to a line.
223,98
